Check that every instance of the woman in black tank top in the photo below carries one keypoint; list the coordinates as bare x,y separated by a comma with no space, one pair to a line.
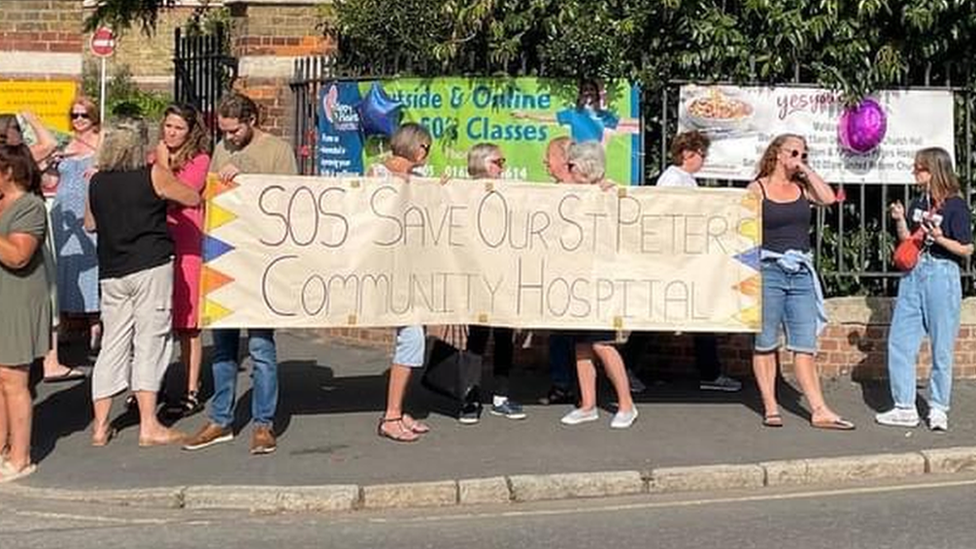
791,298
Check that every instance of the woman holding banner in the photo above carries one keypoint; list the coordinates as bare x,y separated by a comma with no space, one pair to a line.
791,293
486,161
587,164
409,149
185,136
930,295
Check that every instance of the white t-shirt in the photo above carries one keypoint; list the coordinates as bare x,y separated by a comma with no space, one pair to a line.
674,176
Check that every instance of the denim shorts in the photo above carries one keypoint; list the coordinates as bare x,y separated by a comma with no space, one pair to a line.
409,350
788,300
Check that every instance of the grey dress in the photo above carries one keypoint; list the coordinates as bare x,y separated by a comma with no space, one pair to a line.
25,325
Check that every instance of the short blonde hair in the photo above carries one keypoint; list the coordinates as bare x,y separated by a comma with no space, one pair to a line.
588,159
409,139
123,148
478,159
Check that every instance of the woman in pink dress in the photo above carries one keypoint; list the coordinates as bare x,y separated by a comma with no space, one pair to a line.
185,134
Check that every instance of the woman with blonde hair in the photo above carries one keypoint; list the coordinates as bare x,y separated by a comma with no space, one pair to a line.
409,151
930,295
185,136
587,165
486,161
77,262
135,255
791,294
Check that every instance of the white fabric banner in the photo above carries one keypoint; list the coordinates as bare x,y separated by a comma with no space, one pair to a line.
291,251
743,120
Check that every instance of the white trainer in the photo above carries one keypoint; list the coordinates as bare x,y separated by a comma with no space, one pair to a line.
623,420
579,415
938,420
898,417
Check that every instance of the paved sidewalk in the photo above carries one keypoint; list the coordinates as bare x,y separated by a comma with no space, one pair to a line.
332,396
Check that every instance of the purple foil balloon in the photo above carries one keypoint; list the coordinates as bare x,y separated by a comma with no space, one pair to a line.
862,128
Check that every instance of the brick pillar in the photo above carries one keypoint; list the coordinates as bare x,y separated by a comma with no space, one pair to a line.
40,39
267,37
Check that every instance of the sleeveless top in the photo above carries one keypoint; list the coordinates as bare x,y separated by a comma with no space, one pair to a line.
131,222
785,225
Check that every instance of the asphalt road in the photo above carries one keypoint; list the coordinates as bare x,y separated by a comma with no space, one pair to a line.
934,514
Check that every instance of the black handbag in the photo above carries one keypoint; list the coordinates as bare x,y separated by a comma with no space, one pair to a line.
450,371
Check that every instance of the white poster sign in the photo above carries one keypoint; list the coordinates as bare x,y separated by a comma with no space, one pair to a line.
741,122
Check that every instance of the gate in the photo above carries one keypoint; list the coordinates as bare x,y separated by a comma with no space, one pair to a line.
203,71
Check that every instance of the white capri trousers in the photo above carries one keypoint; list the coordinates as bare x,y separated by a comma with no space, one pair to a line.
137,336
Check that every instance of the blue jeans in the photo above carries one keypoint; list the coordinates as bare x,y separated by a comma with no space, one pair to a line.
264,375
789,299
929,301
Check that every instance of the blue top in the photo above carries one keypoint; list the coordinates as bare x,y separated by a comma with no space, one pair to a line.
785,225
956,223
77,260
587,124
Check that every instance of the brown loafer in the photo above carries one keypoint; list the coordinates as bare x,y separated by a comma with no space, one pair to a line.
210,434
263,440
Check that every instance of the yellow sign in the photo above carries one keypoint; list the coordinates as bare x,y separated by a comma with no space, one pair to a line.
50,101
305,252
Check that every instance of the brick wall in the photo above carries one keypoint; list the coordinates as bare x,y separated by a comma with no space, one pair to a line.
853,345
40,39
267,37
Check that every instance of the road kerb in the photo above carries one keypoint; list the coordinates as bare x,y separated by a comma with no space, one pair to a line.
706,477
524,488
950,460
843,469
336,497
576,485
158,498
411,494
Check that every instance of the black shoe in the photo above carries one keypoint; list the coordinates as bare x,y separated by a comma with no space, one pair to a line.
470,413
187,406
558,395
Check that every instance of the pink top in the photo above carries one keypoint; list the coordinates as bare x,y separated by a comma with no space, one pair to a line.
186,224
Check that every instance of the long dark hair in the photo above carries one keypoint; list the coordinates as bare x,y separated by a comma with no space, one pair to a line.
197,138
23,170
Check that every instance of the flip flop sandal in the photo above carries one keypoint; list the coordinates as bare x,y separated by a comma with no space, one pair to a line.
416,426
838,424
406,434
9,474
174,437
772,420
102,442
73,374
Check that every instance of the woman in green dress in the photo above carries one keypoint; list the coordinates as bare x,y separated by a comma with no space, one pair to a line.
25,326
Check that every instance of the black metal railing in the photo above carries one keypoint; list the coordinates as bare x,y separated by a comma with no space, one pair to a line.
203,71
853,241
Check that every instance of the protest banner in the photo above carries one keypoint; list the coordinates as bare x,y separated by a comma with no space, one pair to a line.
520,115
306,252
49,100
743,120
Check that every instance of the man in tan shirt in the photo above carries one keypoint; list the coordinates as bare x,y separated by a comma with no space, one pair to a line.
244,149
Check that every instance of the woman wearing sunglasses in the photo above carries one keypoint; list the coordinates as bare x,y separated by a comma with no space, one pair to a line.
77,262
791,293
486,161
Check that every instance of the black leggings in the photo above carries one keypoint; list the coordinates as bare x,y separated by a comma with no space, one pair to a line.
504,352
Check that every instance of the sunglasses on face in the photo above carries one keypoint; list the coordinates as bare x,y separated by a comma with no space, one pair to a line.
75,115
795,153
500,162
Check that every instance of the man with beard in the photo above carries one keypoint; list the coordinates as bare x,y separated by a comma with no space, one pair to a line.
244,149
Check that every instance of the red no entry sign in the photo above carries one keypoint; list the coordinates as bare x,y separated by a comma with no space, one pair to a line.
103,42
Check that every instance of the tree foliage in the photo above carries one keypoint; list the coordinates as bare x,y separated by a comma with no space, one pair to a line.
853,45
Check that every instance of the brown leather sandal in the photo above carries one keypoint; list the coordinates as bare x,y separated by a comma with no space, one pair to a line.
405,433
